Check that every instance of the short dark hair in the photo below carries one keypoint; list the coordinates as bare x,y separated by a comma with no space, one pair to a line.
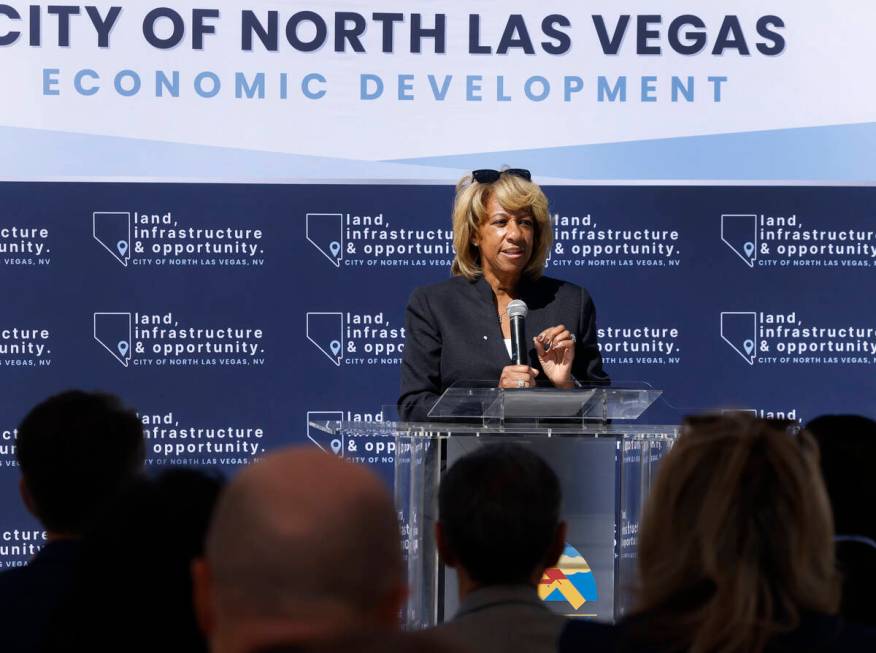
77,450
500,507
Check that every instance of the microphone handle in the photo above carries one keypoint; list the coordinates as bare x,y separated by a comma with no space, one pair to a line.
518,341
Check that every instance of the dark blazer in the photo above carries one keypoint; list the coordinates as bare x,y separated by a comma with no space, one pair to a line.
452,333
29,595
503,619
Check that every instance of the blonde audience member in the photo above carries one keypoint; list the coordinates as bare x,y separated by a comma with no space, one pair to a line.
735,550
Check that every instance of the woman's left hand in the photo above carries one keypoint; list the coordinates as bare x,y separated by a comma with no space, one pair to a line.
556,351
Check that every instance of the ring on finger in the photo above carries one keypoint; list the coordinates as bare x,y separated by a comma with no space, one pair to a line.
521,383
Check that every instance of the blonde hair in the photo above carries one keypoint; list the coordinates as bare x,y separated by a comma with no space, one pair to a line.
470,210
736,537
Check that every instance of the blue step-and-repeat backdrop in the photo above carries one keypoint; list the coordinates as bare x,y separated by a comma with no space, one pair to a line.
220,215
229,314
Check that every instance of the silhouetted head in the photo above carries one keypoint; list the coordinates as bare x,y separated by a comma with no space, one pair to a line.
303,546
499,515
76,450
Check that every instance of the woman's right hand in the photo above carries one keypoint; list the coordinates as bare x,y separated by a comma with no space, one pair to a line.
517,376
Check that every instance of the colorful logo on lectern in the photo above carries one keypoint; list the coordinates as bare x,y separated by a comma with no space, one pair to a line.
571,581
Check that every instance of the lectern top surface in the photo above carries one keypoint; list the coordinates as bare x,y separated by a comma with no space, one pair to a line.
482,399
448,429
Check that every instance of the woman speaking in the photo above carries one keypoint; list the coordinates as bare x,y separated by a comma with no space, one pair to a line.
459,329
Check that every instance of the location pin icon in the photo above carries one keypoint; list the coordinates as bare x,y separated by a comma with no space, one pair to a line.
749,346
335,248
748,248
336,447
335,346
122,246
122,347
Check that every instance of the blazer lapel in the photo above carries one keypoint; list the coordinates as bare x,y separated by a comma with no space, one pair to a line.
488,322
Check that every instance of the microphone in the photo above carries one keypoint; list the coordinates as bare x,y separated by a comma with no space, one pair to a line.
517,311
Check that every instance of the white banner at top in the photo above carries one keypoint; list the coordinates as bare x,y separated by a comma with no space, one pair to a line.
390,80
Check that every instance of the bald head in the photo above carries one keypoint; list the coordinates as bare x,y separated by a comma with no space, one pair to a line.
303,535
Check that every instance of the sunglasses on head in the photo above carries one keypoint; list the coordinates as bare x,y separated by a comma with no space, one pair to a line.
487,176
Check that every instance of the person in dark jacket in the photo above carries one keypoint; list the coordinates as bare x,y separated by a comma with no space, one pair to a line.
459,330
77,451
132,586
499,528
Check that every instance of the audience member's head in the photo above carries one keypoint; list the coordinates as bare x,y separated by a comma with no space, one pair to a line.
303,547
499,517
133,589
76,450
848,449
736,536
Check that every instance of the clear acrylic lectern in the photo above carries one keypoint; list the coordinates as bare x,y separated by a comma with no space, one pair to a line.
605,468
